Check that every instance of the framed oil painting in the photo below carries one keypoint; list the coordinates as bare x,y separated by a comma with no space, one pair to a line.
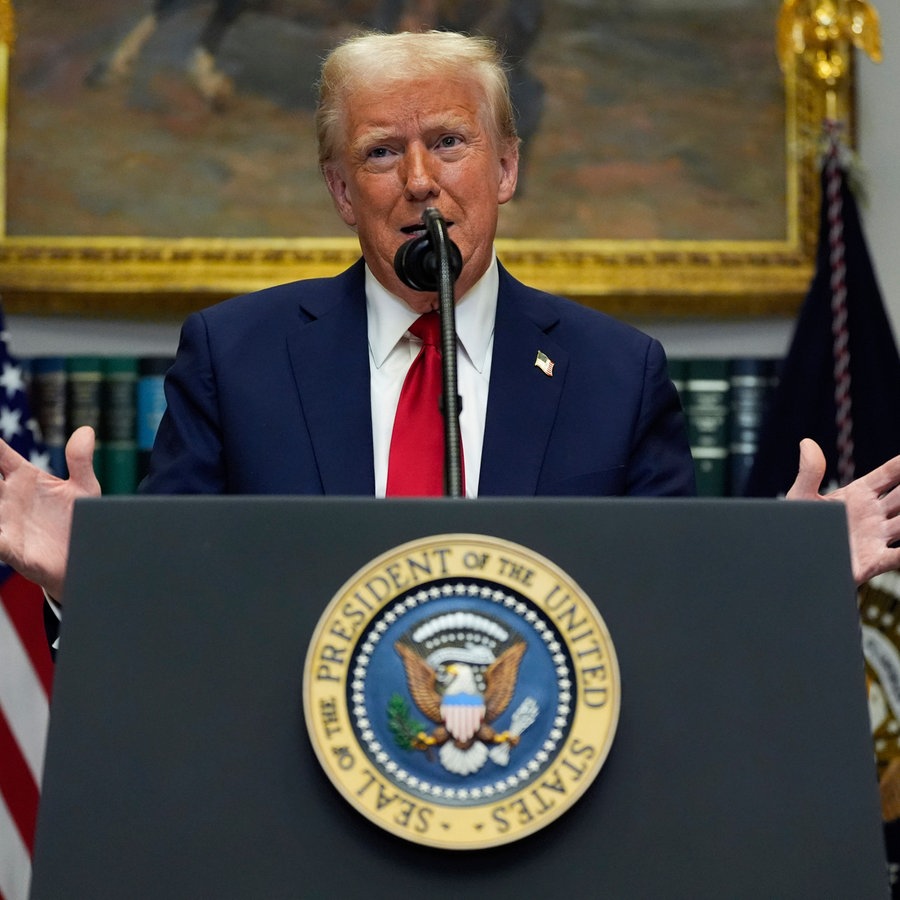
160,154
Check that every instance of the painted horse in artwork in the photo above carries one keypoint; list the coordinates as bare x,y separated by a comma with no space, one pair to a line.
515,25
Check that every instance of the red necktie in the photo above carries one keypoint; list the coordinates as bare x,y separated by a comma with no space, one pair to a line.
416,463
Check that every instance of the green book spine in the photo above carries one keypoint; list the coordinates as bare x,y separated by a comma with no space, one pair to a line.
707,399
752,383
83,379
118,425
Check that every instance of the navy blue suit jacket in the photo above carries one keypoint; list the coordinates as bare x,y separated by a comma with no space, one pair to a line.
269,394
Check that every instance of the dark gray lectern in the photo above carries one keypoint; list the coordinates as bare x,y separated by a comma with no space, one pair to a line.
179,767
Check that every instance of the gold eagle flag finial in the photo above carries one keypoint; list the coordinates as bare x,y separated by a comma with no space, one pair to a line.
822,33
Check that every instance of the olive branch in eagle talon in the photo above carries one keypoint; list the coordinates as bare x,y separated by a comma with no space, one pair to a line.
461,713
402,726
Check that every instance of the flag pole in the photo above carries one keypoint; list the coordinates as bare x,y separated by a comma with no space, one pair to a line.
821,35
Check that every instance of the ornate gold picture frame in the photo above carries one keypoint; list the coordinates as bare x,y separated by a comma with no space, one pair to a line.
159,277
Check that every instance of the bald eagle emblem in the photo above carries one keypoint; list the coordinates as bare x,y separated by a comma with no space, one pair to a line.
461,670
446,703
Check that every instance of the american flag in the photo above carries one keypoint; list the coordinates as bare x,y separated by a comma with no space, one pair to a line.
26,669
544,363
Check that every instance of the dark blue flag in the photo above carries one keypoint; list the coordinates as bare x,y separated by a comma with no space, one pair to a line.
840,381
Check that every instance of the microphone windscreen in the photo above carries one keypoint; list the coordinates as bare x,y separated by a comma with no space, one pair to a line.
417,263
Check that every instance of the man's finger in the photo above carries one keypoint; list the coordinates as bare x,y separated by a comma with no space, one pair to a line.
885,478
80,455
810,473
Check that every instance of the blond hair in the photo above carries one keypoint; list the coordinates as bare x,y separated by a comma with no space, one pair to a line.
372,57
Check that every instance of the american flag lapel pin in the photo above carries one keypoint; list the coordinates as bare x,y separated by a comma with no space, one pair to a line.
544,363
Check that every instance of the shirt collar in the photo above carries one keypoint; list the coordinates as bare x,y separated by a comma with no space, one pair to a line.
389,317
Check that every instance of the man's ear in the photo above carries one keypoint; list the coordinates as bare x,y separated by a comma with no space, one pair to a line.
337,187
509,173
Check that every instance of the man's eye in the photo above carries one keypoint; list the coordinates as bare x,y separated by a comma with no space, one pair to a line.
450,140
379,153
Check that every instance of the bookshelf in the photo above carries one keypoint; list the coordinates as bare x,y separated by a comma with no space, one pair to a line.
121,397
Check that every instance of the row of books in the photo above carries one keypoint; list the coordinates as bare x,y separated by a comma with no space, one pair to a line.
122,398
725,401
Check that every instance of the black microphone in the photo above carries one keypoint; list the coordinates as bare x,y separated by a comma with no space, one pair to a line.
418,263
433,263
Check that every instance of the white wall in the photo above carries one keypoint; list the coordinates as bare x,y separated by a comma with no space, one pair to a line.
879,146
51,336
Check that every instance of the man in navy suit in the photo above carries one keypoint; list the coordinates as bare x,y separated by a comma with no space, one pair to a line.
270,393
294,389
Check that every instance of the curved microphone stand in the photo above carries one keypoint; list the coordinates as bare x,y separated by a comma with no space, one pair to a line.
425,264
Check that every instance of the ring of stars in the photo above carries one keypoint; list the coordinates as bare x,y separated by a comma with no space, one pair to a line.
502,786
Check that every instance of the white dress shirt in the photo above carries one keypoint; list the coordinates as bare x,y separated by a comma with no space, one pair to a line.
392,350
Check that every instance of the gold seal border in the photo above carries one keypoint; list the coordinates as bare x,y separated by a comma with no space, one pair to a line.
414,565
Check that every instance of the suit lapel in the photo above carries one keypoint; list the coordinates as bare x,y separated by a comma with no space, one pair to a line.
522,399
330,358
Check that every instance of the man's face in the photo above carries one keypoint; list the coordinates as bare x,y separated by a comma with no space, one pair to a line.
412,145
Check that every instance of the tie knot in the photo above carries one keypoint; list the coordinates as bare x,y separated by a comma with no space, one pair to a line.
428,329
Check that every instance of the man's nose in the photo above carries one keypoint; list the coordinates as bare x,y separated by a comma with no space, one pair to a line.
419,176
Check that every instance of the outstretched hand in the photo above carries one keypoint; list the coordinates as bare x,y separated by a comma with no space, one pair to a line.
36,510
872,506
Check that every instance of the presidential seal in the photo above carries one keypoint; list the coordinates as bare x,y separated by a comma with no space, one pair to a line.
461,691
